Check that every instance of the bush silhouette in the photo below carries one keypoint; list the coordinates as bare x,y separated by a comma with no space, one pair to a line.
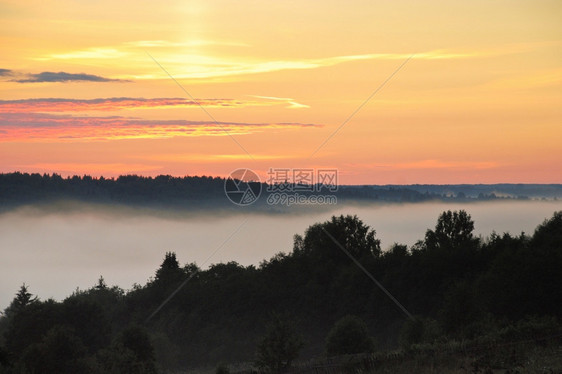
349,336
279,347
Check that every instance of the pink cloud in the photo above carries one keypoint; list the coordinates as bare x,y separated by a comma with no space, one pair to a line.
25,127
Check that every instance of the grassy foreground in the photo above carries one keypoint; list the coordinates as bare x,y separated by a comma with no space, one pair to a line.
531,346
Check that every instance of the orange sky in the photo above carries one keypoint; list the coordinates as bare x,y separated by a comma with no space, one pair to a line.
84,89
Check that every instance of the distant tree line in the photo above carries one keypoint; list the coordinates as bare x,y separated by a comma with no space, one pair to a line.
313,301
23,188
206,192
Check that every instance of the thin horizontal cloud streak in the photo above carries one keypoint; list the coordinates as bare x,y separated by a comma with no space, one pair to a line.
119,103
63,77
431,164
5,72
214,67
24,127
203,66
91,53
291,103
208,158
106,104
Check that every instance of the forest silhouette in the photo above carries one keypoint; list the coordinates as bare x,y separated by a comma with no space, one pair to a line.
206,193
311,302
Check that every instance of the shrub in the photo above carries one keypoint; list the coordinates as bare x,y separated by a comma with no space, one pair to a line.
349,336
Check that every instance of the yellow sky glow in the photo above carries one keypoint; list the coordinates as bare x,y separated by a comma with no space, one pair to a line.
478,101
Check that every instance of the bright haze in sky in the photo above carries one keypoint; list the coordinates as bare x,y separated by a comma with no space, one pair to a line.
84,88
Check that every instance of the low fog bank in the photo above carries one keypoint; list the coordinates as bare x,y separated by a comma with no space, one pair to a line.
55,248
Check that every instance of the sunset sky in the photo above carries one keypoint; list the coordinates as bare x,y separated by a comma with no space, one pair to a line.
470,92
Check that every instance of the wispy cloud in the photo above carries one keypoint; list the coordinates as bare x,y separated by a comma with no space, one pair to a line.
291,103
207,158
90,53
106,104
430,164
25,127
5,72
204,66
127,49
199,65
61,76
118,103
